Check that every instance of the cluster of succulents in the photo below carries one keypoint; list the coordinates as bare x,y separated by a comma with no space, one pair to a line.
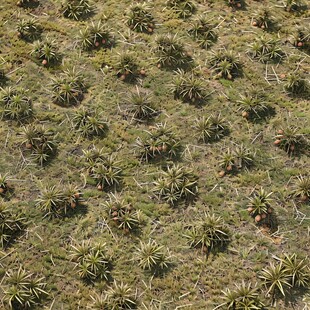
40,142
56,201
89,123
123,214
170,51
140,18
46,51
290,139
77,9
235,159
91,261
211,128
297,84
203,31
175,184
15,104
68,87
126,66
160,141
95,36
259,206
11,223
302,38
263,19
104,169
182,8
22,289
209,233
301,189
189,87
28,29
225,64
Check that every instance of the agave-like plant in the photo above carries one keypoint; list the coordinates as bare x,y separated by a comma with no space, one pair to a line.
225,64
46,51
236,4
188,87
140,105
126,66
23,289
170,51
290,139
301,188
266,49
123,213
152,256
296,84
3,183
302,38
263,19
161,141
94,36
15,104
140,18
259,205
40,142
293,5
89,123
120,296
26,3
243,297
10,223
91,261
175,184
68,88
211,128
77,9
203,31
210,233
183,8
28,29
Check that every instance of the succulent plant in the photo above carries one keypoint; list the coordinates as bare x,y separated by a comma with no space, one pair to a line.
140,18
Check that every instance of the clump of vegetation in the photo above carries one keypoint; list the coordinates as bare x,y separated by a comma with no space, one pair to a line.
68,88
175,184
140,18
91,261
236,4
266,49
105,170
287,273
28,29
89,123
40,142
225,64
15,104
46,52
296,84
183,8
160,142
203,31
126,66
211,128
140,105
27,3
3,183
301,189
95,36
259,206
11,223
240,157
77,9
293,5
244,296
291,140
188,87
57,202
210,234
152,256
123,214
263,19
254,105
23,289
170,51
118,296
302,38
